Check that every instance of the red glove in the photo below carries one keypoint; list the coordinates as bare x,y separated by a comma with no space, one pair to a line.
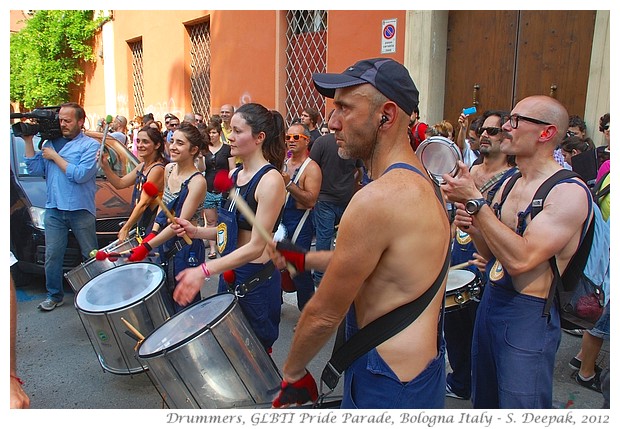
149,237
140,252
293,254
302,391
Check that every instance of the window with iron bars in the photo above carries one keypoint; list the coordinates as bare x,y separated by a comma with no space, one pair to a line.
306,53
200,65
137,73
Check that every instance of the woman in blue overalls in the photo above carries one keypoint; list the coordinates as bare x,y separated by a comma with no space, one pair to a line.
184,193
150,147
258,139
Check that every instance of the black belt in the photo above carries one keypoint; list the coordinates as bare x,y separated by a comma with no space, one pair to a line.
256,279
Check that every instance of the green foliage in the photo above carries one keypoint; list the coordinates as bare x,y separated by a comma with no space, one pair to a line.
47,55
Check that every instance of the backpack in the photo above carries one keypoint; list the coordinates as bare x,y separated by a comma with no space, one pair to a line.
582,291
599,191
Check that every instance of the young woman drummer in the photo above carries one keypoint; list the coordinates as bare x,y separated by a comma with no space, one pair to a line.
184,193
258,139
150,149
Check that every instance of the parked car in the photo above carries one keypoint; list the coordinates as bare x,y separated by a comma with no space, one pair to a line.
28,196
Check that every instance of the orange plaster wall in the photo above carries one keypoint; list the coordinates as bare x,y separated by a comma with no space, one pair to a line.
356,35
247,56
243,58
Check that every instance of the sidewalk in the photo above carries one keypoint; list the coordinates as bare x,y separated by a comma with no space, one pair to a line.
61,370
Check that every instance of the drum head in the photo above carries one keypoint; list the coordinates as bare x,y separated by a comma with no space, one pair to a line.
187,324
439,156
459,278
119,287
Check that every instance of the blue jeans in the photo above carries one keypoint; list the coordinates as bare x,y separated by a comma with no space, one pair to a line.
303,281
326,215
458,332
601,329
370,383
513,351
57,225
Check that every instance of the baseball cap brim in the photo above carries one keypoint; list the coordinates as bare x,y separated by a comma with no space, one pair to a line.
327,83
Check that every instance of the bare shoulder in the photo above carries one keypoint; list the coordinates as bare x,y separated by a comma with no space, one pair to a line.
567,200
313,167
270,183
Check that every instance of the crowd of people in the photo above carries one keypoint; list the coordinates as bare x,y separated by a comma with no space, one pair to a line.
355,176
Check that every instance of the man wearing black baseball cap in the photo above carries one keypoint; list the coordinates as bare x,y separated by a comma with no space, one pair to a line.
393,243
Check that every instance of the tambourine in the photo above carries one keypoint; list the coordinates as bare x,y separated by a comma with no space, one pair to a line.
439,155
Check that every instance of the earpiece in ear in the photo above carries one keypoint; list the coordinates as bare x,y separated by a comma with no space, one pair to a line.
384,119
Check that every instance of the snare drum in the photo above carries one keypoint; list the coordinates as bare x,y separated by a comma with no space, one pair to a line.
134,292
90,269
462,287
207,356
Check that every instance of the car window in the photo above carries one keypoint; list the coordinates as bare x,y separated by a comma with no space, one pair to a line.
121,159
17,152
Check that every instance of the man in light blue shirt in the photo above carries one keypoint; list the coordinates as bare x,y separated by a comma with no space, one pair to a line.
69,165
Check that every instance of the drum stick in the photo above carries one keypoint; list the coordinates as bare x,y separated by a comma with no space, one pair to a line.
247,212
223,183
152,191
134,330
459,266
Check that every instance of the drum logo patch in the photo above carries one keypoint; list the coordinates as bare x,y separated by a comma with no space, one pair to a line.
497,271
462,237
222,237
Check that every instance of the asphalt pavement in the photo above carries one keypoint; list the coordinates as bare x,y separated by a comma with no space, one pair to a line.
61,369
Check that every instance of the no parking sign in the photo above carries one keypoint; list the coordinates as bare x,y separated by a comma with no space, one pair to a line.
388,36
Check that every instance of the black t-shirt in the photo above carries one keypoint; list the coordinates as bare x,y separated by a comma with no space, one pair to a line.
314,134
214,163
338,182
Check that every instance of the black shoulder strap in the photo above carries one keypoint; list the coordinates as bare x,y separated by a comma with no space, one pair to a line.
543,190
578,261
509,185
379,330
600,192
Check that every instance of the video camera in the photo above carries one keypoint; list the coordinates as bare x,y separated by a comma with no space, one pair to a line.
47,124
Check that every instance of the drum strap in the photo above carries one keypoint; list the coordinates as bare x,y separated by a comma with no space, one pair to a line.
261,276
174,249
379,330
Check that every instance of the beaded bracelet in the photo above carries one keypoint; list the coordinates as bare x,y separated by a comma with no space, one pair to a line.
206,271
19,380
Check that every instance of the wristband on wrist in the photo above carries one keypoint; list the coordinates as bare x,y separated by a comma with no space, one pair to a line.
205,270
19,380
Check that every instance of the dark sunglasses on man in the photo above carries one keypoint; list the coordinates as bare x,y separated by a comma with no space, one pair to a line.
492,131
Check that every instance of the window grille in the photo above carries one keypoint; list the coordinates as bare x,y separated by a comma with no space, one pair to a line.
306,53
137,72
200,65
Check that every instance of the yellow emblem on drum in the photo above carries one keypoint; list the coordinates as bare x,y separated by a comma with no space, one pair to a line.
222,237
462,237
497,271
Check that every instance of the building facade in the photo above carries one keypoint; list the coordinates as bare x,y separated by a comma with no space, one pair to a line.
163,61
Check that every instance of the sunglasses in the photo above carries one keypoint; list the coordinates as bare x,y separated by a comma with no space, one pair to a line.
174,125
492,131
605,127
295,137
